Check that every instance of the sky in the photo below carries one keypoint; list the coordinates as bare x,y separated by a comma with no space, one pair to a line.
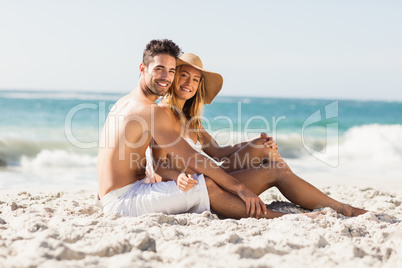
341,49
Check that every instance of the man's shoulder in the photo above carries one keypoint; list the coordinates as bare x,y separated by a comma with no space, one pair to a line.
130,106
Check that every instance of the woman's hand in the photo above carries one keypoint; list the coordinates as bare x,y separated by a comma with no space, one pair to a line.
264,135
254,204
185,182
269,142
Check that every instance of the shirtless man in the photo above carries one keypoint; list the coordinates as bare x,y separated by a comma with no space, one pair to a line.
127,132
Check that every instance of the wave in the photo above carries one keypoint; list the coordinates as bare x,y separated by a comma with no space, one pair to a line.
13,150
380,143
372,143
58,158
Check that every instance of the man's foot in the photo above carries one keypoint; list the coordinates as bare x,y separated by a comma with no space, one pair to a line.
316,214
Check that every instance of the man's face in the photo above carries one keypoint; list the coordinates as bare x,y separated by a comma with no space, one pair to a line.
159,74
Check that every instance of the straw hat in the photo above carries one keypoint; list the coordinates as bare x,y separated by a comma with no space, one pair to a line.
212,81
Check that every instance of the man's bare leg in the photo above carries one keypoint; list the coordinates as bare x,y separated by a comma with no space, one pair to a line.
229,205
295,189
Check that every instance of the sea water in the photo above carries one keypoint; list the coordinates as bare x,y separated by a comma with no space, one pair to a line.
50,139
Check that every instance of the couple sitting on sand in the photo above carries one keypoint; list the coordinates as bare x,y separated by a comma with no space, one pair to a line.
173,128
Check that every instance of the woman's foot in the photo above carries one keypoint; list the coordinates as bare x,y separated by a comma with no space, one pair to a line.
350,211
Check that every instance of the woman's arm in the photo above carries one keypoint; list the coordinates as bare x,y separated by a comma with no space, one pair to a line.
162,166
167,172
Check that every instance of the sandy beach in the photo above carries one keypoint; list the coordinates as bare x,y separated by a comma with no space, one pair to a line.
67,229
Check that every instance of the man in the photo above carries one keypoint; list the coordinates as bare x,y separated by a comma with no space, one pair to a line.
128,130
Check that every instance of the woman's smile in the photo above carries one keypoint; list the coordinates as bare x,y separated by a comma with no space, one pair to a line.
189,79
185,89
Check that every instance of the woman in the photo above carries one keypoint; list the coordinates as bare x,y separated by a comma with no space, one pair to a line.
264,167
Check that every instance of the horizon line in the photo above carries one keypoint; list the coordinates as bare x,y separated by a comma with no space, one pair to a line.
219,96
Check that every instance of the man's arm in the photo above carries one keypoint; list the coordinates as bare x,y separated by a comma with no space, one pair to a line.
170,141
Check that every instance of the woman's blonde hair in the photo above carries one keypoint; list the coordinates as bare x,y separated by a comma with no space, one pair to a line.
192,109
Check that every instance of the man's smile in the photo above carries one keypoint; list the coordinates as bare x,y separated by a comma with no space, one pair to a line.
162,84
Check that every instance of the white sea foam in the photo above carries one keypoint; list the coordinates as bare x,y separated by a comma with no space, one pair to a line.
373,142
361,144
57,158
13,149
50,168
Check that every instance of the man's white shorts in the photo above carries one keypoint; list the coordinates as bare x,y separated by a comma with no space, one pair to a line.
142,198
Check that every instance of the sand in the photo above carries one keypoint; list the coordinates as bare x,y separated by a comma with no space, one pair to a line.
67,229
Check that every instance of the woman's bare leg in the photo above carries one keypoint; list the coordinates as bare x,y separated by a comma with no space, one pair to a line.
251,155
295,189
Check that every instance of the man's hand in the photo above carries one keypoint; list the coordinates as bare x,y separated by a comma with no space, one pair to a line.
185,182
254,204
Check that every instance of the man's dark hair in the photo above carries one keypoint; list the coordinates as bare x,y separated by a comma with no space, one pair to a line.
160,46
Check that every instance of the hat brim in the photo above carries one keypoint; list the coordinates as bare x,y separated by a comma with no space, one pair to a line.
213,82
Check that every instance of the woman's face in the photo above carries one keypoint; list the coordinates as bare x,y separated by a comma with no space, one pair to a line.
187,84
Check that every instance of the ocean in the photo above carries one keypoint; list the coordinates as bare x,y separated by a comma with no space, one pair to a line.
50,139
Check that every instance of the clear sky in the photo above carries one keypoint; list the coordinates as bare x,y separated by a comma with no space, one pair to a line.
309,49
